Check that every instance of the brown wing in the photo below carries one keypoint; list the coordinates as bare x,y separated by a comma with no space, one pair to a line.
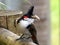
32,29
33,32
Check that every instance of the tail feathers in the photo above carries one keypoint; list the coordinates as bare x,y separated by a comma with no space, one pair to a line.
35,39
36,42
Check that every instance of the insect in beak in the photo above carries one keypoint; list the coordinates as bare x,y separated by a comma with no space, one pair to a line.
35,17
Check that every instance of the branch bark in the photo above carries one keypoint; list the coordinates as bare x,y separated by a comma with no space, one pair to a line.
9,38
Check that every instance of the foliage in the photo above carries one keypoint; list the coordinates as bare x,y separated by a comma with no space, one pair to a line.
2,6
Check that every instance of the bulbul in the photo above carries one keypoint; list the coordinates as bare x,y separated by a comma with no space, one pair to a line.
26,22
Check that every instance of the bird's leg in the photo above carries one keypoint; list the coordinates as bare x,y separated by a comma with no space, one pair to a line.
21,37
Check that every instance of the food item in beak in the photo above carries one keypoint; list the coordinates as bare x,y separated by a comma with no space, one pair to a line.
35,17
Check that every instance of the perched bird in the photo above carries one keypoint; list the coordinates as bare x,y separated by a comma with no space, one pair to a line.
26,22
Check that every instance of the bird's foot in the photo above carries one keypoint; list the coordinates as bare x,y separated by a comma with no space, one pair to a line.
18,39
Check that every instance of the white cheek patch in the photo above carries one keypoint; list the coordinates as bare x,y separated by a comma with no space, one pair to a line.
26,19
25,23
30,20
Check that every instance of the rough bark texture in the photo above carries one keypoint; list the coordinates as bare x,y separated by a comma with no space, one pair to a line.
7,20
3,21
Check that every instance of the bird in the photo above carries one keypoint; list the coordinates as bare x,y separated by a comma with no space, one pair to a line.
26,22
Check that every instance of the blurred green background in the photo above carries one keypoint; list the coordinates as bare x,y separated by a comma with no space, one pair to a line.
54,5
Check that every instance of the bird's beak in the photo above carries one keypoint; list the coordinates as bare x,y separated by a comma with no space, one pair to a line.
35,17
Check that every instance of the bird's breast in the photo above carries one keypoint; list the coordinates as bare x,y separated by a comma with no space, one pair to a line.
24,24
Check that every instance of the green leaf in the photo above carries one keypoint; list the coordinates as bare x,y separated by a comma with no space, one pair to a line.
2,6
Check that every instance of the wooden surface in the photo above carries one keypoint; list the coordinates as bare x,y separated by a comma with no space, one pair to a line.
9,38
7,20
9,12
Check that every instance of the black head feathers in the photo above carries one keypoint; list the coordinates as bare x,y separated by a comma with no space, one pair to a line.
30,12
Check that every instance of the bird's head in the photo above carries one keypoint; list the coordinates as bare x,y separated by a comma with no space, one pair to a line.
29,16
